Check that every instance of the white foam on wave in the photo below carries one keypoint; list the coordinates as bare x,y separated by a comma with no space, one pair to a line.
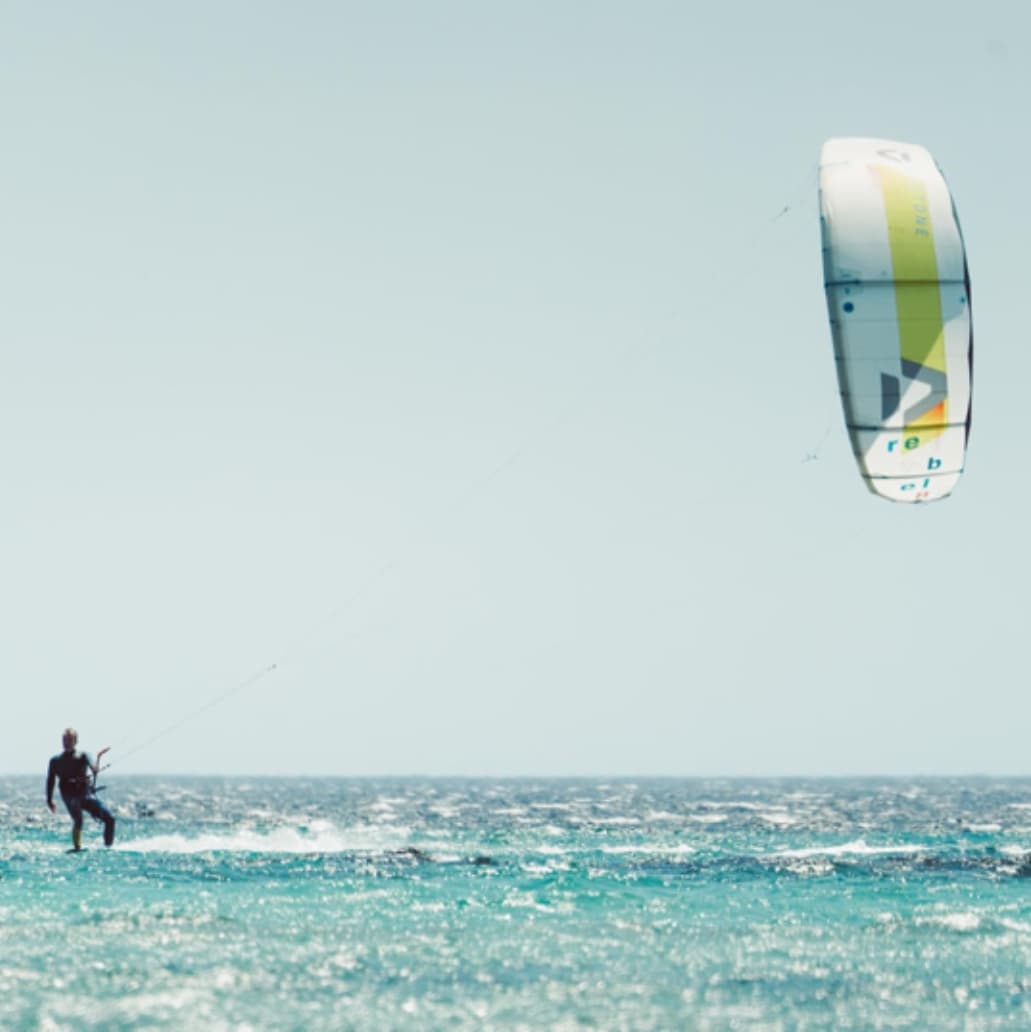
549,867
778,818
317,837
623,849
662,815
733,804
546,850
856,848
645,850
963,921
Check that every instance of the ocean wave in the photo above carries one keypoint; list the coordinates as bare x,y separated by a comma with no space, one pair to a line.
646,849
321,838
856,848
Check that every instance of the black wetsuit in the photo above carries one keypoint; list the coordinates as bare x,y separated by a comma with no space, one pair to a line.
74,773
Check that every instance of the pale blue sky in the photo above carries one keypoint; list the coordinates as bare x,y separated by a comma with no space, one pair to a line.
454,356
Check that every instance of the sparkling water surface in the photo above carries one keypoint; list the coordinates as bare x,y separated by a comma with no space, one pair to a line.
521,904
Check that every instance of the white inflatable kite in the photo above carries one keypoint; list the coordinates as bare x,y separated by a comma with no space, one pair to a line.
898,294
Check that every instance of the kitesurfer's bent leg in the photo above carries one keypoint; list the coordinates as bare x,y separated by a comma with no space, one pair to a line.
74,806
96,809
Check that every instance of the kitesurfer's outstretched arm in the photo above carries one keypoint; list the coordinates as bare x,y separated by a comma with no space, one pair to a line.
95,766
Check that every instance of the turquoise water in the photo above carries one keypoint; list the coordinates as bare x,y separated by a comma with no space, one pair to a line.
521,904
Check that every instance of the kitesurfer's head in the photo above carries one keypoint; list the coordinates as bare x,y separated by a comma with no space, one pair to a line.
69,737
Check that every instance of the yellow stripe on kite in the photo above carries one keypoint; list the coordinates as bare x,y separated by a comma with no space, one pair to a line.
915,267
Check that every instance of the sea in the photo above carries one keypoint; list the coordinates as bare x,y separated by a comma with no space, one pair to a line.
416,903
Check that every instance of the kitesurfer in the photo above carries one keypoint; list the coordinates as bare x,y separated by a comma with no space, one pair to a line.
76,774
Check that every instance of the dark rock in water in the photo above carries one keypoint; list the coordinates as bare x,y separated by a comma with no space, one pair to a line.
411,852
483,861
143,810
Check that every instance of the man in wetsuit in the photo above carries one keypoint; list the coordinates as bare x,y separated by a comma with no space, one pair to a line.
75,771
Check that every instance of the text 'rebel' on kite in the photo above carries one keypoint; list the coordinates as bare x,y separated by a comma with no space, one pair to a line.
898,295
